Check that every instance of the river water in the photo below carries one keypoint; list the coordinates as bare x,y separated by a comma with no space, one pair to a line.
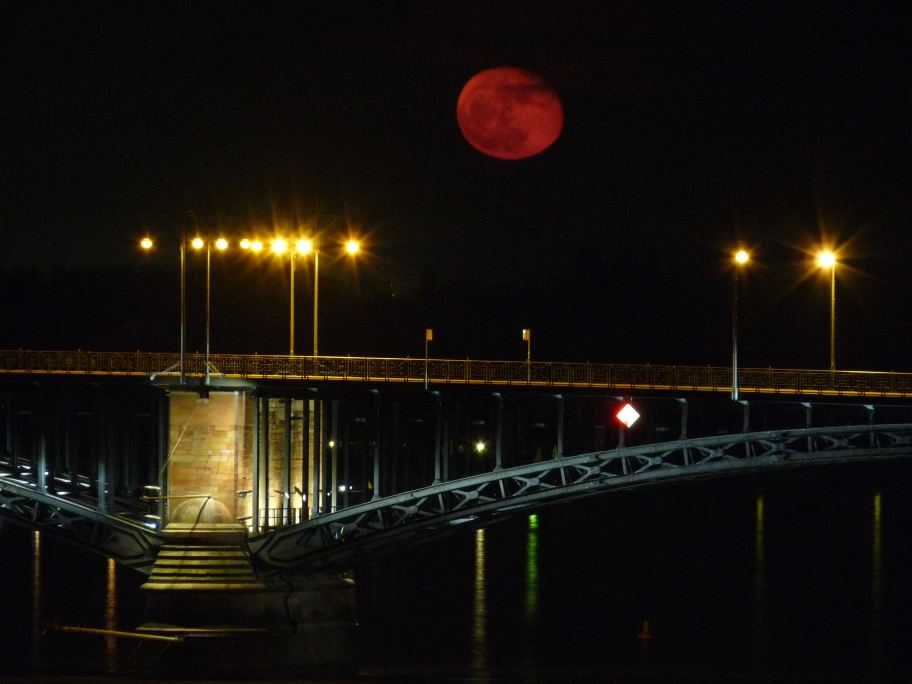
799,575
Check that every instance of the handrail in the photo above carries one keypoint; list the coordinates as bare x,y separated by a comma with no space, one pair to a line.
543,374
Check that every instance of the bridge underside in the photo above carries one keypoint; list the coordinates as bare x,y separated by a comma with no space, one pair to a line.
322,477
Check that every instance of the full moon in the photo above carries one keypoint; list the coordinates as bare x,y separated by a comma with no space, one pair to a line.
509,113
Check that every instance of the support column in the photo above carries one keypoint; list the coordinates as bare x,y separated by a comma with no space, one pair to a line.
683,403
316,503
745,427
286,466
305,458
11,429
255,467
437,418
345,450
446,446
40,422
334,458
265,485
870,410
498,452
807,424
560,425
377,415
101,457
161,506
392,448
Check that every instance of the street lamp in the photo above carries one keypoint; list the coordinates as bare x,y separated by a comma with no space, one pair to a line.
220,244
147,244
303,246
741,258
828,260
280,246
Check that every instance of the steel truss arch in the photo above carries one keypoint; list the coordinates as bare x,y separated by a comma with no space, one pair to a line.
338,539
125,541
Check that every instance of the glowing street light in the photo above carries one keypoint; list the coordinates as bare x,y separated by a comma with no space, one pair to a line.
741,258
828,260
220,244
147,244
301,247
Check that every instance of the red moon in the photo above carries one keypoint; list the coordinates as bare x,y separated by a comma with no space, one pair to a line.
509,113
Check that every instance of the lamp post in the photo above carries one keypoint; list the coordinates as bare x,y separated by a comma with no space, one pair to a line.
527,338
741,258
303,246
280,246
147,244
828,260
220,244
428,337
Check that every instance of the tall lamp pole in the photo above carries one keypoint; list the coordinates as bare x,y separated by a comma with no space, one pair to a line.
303,246
316,252
220,244
741,257
828,260
527,338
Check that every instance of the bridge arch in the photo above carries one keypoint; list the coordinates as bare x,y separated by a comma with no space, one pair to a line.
337,539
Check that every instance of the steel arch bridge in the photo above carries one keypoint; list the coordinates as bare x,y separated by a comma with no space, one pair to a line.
339,539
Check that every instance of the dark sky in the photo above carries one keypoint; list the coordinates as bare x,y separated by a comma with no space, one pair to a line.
688,127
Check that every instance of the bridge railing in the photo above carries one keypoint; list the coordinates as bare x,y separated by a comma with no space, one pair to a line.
461,372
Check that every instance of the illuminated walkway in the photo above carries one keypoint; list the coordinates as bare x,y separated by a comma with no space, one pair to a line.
163,368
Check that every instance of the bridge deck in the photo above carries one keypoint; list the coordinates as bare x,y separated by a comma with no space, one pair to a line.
445,372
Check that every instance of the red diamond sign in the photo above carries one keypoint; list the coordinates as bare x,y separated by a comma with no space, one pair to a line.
628,415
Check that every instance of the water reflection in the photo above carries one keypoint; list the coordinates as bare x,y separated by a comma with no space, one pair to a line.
36,597
877,588
479,613
759,586
531,589
110,617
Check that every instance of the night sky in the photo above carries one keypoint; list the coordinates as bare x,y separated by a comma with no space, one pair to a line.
689,128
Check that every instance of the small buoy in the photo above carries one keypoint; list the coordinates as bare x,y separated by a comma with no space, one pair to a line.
644,633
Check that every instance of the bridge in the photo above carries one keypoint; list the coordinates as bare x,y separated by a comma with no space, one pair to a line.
222,369
327,460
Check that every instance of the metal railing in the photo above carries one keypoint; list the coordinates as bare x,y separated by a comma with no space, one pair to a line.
462,372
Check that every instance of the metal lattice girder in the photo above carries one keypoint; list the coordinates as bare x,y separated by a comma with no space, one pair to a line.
125,541
337,539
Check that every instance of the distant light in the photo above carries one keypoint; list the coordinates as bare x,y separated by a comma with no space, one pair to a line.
145,243
256,245
304,246
331,444
826,259
279,246
341,488
221,243
352,246
628,415
741,257
480,447
197,242
245,244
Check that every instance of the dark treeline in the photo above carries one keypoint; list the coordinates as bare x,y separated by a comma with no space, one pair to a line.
625,309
